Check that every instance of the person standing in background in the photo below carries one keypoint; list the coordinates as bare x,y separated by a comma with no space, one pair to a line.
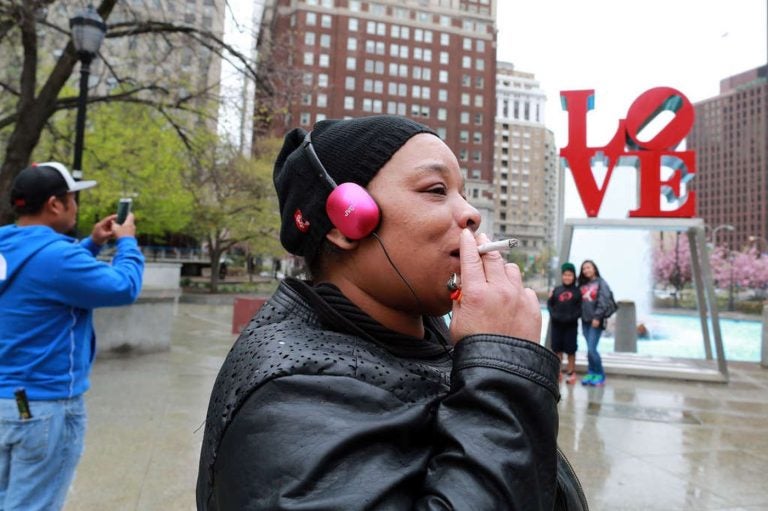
564,305
49,287
596,298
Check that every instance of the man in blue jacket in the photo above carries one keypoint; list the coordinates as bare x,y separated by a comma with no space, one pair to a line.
49,285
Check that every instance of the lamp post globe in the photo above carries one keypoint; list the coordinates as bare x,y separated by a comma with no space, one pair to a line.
88,30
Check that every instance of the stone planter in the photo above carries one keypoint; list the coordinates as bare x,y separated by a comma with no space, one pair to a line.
145,326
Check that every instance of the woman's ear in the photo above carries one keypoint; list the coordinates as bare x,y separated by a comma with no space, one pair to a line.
340,241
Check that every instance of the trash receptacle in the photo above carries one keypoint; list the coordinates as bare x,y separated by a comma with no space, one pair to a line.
244,309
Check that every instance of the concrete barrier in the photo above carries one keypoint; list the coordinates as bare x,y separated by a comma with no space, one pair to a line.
625,329
145,326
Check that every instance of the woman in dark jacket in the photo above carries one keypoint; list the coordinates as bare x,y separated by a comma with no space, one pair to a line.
596,300
564,305
349,392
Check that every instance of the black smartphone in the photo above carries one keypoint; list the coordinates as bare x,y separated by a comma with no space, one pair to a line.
123,208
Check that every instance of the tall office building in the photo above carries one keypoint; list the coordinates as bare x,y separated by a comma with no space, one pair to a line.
730,137
431,60
526,175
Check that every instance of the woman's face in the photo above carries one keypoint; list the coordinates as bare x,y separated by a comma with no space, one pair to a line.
588,270
421,195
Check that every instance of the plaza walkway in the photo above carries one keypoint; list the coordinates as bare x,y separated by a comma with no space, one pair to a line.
637,444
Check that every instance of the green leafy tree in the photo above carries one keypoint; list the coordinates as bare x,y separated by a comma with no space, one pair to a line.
134,153
37,59
233,199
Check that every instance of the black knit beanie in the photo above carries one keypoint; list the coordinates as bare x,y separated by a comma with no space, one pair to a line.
351,151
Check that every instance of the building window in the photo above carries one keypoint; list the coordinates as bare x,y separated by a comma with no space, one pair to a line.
311,19
480,64
442,76
354,5
349,103
351,63
322,100
477,137
442,95
445,39
325,41
441,133
445,21
325,21
322,80
465,99
309,38
478,101
463,154
480,45
304,119
367,105
308,79
353,24
309,58
477,156
391,107
324,60
464,118
442,114
306,99
444,57
466,62
403,52
349,83
352,43
377,106
394,31
463,136
370,46
320,117
467,43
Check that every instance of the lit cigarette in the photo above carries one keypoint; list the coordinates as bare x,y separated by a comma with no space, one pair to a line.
501,245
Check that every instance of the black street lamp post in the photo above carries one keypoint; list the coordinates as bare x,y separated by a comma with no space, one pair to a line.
88,30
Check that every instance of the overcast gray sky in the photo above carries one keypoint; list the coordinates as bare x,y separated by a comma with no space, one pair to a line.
623,48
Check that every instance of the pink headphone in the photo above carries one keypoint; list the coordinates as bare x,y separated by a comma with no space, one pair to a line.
349,206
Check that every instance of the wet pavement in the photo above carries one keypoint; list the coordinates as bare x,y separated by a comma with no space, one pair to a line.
637,443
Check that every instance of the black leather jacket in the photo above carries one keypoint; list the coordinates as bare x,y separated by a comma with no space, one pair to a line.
312,411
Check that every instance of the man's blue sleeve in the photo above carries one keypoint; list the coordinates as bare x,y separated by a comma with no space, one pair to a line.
80,280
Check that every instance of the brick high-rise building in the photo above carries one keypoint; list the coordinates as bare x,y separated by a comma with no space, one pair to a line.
730,137
525,180
431,60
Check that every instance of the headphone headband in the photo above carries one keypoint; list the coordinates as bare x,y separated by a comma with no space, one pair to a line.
316,163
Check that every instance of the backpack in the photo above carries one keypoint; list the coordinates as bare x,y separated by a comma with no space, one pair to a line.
611,307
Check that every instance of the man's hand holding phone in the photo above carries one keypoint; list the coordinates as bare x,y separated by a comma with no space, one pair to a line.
128,228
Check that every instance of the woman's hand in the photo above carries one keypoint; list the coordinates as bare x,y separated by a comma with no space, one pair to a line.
595,323
493,300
